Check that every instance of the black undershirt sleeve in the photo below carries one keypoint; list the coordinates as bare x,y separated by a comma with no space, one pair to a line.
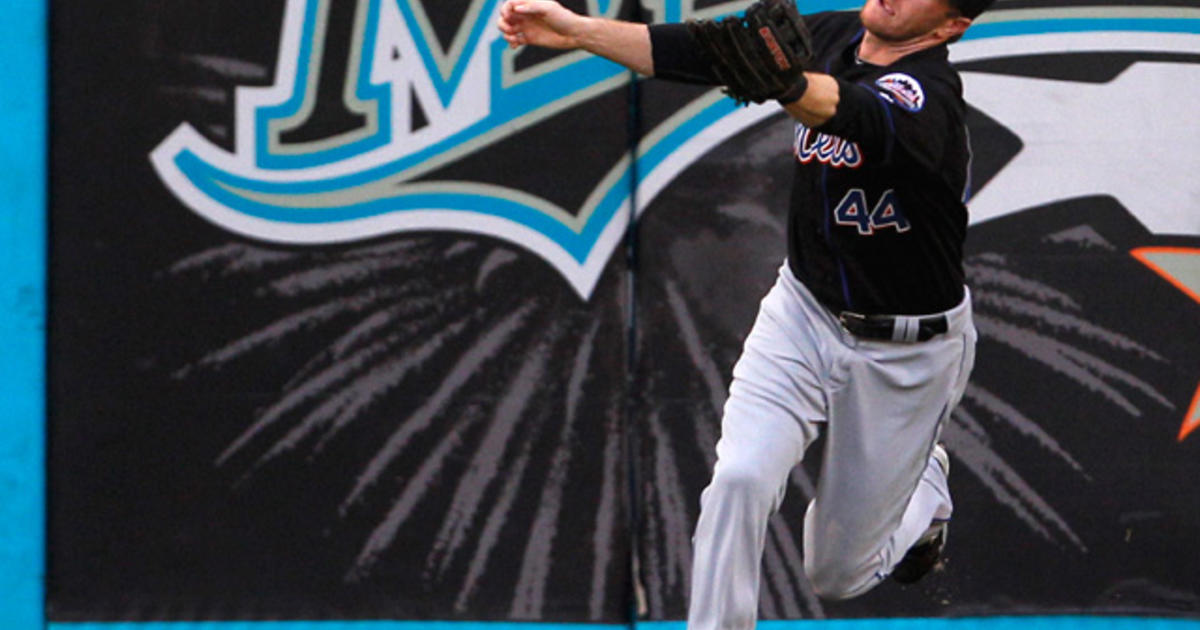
677,57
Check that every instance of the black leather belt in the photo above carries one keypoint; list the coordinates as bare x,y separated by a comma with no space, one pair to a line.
884,327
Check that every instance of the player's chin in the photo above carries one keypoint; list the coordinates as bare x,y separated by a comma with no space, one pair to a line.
888,31
875,19
876,11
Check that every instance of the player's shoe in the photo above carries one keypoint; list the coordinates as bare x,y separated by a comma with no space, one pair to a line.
927,551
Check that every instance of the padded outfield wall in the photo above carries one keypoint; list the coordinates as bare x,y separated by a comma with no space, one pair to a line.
356,319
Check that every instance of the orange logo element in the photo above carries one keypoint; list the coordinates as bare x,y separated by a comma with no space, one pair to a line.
1181,267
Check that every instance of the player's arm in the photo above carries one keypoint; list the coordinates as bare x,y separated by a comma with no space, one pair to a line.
548,24
666,51
844,109
873,117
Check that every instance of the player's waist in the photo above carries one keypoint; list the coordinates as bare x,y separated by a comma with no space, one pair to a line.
882,326
907,328
899,328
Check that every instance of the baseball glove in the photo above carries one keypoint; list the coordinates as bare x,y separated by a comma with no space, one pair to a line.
760,56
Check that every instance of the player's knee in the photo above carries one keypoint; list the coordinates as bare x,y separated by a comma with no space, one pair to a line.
834,580
745,481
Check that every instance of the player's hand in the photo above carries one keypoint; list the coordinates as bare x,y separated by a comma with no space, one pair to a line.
539,23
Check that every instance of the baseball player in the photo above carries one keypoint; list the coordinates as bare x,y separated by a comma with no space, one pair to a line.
867,333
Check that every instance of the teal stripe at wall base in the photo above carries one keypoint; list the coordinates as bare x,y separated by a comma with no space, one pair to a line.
330,625
963,623
966,623
22,310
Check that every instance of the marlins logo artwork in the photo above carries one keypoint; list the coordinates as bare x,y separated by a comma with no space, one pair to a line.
379,173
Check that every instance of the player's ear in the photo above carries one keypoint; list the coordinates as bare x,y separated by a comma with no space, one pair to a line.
954,27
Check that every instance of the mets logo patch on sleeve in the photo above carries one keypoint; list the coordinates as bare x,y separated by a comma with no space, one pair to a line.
903,90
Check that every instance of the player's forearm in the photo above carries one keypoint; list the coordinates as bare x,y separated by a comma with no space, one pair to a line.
626,43
819,102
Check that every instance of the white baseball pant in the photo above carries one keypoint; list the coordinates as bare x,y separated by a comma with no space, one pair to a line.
882,403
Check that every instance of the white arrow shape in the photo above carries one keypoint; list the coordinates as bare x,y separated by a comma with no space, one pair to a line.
1136,138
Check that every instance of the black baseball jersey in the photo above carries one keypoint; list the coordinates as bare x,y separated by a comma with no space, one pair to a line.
877,219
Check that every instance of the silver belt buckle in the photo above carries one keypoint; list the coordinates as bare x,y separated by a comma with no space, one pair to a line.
853,323
847,317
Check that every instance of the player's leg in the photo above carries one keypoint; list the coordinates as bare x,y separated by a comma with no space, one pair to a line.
925,523
931,503
764,433
877,493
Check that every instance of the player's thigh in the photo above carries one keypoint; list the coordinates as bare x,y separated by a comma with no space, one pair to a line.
774,402
782,367
885,417
759,446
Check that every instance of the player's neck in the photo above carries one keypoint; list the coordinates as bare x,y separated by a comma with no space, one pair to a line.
880,52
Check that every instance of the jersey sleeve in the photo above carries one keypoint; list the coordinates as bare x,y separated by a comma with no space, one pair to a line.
896,114
677,56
